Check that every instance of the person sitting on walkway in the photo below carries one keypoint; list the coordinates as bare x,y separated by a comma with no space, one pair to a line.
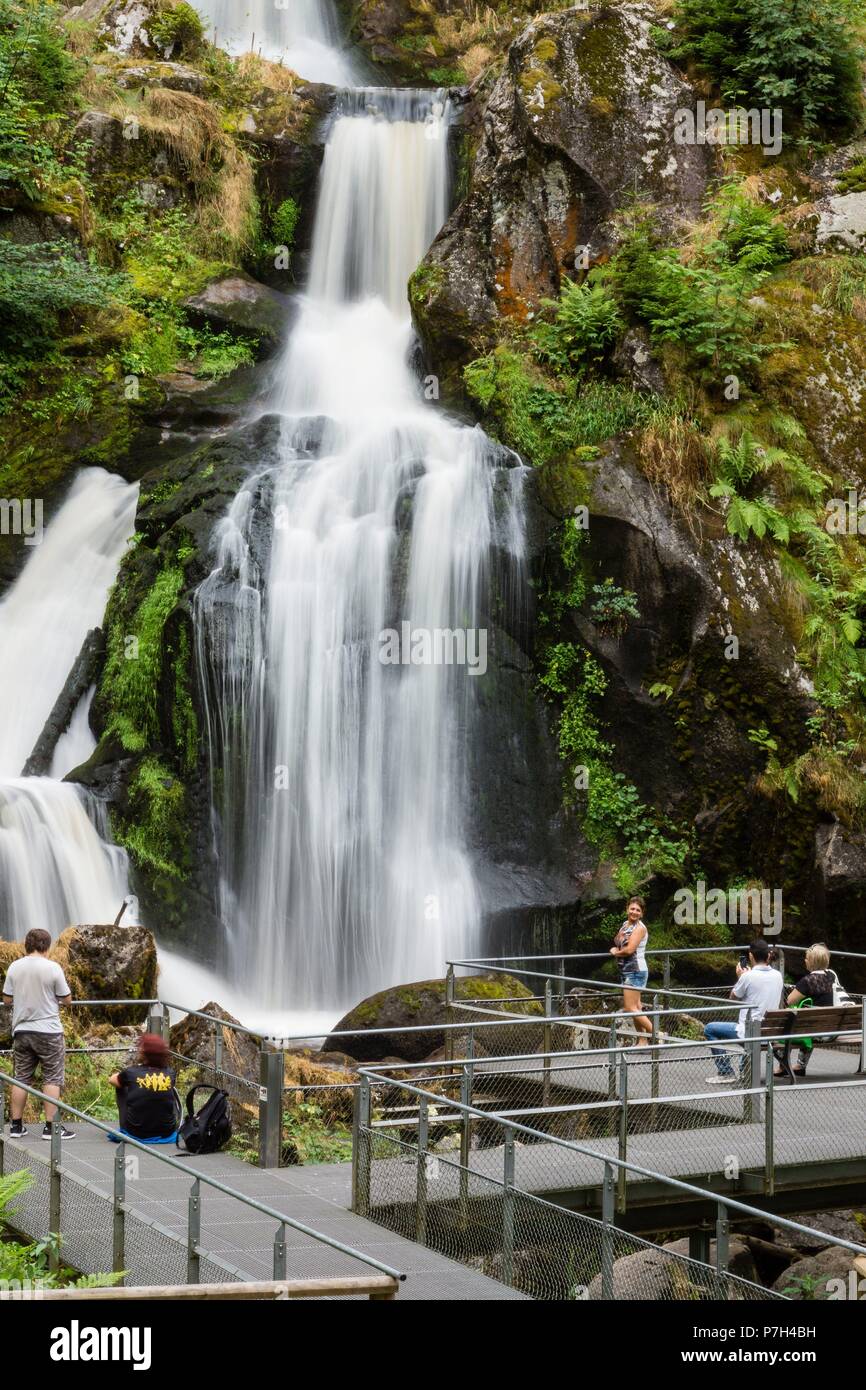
817,986
758,988
146,1099
36,987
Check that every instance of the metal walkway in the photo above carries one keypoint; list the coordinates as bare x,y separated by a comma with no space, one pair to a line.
240,1240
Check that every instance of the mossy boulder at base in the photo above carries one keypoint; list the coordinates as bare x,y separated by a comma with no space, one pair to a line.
238,304
419,1005
101,962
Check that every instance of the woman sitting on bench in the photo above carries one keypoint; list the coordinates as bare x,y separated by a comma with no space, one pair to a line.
817,987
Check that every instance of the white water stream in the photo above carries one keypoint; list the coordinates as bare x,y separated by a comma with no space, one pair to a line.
301,34
340,825
55,866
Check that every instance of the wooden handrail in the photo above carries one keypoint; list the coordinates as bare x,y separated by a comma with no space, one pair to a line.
376,1286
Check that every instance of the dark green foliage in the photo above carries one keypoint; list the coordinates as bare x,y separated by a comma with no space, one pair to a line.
37,81
801,55
179,28
586,324
612,607
41,284
701,303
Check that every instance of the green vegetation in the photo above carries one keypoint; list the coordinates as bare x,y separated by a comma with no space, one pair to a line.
284,222
543,417
38,77
156,830
803,56
586,324
699,302
134,663
613,818
27,1263
178,27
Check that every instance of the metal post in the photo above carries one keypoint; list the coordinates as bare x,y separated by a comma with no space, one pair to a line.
54,1192
862,1066
723,1231
118,1233
421,1184
666,978
465,1143
449,1013
508,1209
193,1233
270,1107
611,1061
623,1128
361,1149
654,1065
769,1166
2,1125
699,1245
280,1252
546,1041
752,1072
608,1203
217,1047
158,1021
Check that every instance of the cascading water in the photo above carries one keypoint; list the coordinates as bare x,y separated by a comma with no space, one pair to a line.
55,866
340,825
301,34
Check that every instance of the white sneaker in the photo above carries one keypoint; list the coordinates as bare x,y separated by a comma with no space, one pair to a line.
719,1080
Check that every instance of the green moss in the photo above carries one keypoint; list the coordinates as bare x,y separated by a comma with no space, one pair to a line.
183,715
155,829
134,665
425,283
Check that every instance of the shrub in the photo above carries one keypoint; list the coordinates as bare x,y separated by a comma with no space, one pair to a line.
586,323
178,27
41,283
802,55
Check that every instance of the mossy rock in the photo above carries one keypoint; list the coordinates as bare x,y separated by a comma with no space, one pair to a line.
421,1004
101,962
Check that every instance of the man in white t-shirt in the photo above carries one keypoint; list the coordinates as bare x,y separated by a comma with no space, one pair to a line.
36,987
759,989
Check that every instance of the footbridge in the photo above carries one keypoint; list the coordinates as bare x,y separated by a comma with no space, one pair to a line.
545,1154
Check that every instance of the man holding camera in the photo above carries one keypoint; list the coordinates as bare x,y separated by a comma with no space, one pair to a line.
758,988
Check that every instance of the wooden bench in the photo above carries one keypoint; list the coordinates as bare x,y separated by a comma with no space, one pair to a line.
795,1024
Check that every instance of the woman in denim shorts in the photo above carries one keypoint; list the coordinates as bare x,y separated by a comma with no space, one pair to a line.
629,948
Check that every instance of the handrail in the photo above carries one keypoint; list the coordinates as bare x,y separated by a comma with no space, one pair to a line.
650,951
187,1171
625,1166
376,1287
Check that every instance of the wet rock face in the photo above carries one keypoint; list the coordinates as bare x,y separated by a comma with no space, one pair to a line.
582,117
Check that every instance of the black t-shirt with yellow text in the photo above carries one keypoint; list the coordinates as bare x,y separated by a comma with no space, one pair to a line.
145,1100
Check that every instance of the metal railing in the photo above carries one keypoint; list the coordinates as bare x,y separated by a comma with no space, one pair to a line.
57,1189
486,1213
616,1093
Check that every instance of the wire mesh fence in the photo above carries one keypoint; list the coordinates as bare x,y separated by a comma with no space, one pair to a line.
545,1251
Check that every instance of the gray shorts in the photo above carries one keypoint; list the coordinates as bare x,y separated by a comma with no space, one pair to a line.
31,1049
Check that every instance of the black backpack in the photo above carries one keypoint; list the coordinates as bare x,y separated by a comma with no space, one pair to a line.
209,1129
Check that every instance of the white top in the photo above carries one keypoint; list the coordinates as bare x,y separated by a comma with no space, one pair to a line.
636,961
35,983
760,988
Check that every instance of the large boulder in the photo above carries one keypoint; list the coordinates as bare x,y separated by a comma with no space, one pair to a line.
240,305
842,223
194,1038
419,1005
652,1275
581,119
99,962
827,1275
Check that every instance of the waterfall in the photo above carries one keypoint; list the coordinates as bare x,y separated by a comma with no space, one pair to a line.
301,34
55,865
338,755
